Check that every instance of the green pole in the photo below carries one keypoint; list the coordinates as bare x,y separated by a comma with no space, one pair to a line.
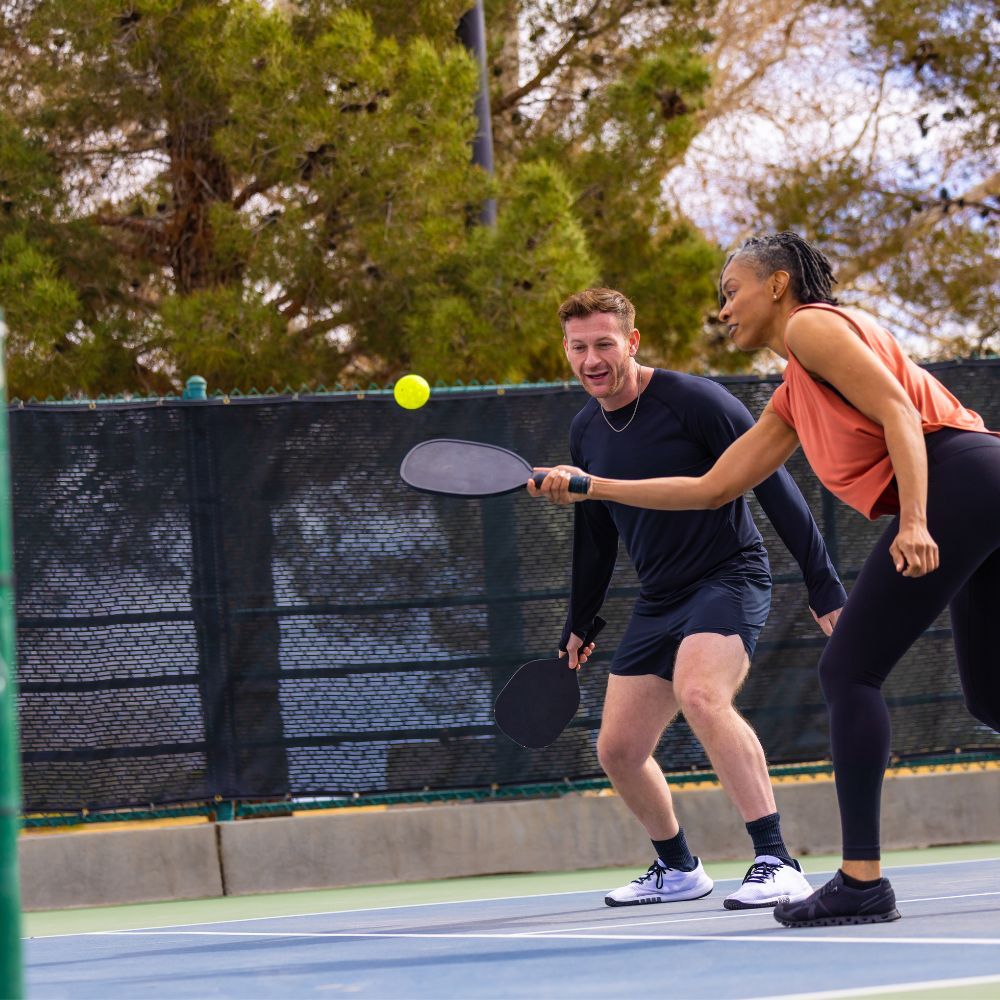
10,761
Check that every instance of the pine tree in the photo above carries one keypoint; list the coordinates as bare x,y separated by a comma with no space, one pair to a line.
261,196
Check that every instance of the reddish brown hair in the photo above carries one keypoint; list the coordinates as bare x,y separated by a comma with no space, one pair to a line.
598,300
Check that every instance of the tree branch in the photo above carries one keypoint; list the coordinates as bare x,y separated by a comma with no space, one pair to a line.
321,326
259,186
550,65
727,97
917,226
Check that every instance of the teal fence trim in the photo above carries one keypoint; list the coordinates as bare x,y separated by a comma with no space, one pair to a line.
46,820
195,389
222,396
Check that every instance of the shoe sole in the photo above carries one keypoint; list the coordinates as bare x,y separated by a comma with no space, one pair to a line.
868,918
655,899
735,904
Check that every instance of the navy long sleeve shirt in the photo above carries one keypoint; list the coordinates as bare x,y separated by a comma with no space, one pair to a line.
683,423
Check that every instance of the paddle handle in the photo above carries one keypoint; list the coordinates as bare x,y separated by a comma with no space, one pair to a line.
577,484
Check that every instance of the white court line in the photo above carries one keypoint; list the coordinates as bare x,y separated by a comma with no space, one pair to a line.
864,991
935,899
724,916
454,902
774,936
729,915
616,924
335,913
927,864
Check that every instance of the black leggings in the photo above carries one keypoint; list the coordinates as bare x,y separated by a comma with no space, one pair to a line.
887,612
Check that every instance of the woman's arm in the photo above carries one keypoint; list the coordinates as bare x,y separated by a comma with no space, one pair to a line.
825,345
749,460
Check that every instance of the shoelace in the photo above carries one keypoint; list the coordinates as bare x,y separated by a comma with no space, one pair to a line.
761,871
654,869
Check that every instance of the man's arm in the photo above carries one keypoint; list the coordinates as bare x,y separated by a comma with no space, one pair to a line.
787,510
595,551
784,505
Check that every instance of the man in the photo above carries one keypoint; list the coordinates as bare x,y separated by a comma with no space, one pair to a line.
704,596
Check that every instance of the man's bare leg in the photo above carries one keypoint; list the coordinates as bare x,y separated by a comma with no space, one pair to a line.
708,672
636,712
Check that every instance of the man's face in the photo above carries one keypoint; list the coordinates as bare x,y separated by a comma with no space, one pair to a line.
599,353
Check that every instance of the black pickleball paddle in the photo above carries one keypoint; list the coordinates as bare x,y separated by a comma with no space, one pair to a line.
470,469
539,701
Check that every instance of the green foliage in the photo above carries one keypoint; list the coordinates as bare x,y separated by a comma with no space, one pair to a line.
433,20
634,132
948,48
629,123
915,239
938,262
40,302
259,197
283,193
489,313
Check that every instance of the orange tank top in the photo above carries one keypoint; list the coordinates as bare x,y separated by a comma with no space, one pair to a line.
846,450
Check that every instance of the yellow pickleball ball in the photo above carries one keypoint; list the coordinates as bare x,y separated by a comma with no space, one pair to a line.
411,392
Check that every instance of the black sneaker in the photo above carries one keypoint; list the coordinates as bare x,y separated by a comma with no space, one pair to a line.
837,903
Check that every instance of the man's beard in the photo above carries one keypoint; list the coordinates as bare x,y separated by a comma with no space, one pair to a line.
618,379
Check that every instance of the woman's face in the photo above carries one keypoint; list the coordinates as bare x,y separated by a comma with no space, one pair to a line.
750,305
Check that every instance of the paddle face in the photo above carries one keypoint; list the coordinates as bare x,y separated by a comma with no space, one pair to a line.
540,700
463,469
471,469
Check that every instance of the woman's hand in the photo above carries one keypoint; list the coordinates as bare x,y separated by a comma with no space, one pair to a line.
913,551
555,486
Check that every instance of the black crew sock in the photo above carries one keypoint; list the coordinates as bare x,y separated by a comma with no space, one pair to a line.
858,883
674,853
767,839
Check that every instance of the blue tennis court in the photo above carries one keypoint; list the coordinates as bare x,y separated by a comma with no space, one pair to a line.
565,944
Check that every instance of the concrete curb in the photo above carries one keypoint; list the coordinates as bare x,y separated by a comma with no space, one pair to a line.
103,868
408,844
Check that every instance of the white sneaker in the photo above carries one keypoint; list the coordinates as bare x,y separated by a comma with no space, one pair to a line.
661,884
769,881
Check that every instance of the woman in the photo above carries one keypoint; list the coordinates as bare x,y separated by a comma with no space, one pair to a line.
887,438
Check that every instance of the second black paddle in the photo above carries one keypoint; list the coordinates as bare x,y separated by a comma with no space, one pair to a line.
540,700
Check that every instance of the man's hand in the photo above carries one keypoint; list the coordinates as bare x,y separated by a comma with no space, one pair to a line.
827,621
577,652
555,486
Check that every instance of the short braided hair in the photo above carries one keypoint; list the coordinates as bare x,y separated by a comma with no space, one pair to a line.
811,272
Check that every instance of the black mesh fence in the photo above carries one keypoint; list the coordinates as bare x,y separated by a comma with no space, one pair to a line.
240,600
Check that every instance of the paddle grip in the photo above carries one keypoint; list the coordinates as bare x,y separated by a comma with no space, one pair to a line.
577,484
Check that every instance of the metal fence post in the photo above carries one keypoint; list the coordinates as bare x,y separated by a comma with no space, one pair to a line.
10,764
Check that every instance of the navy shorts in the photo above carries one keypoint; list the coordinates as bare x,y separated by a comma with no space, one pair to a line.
733,604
